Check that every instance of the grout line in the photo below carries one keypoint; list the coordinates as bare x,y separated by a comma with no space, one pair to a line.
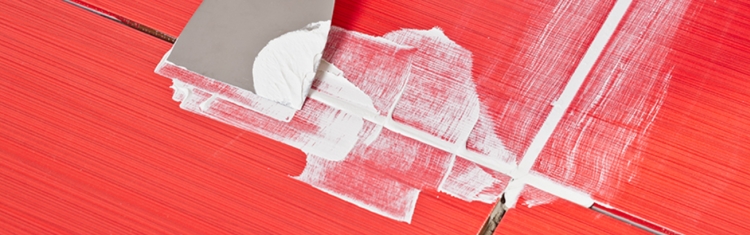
632,220
520,173
122,20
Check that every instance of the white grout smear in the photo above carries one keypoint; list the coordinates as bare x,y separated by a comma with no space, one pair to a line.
316,129
532,197
355,151
394,115
485,142
539,72
354,183
616,110
375,65
385,176
560,106
440,96
285,68
472,182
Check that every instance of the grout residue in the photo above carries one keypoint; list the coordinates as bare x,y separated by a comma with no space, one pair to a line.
355,150
617,108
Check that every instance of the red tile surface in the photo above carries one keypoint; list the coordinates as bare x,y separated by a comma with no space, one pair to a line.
553,215
686,170
91,142
166,16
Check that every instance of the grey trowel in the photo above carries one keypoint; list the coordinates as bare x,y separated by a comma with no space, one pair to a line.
224,37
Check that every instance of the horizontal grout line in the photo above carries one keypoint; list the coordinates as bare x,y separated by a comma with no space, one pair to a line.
122,20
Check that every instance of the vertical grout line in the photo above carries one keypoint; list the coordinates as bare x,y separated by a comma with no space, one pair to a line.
560,106
122,20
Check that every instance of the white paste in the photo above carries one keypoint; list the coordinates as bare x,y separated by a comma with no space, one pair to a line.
284,69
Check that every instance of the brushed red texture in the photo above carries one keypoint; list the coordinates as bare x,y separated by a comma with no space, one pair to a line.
91,142
692,174
166,16
558,217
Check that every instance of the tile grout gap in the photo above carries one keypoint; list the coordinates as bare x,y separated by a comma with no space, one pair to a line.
120,19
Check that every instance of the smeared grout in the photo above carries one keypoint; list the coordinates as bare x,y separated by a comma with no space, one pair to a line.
454,176
483,143
382,175
440,96
389,197
324,138
495,159
561,105
535,197
472,182
539,72
385,151
378,67
603,109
